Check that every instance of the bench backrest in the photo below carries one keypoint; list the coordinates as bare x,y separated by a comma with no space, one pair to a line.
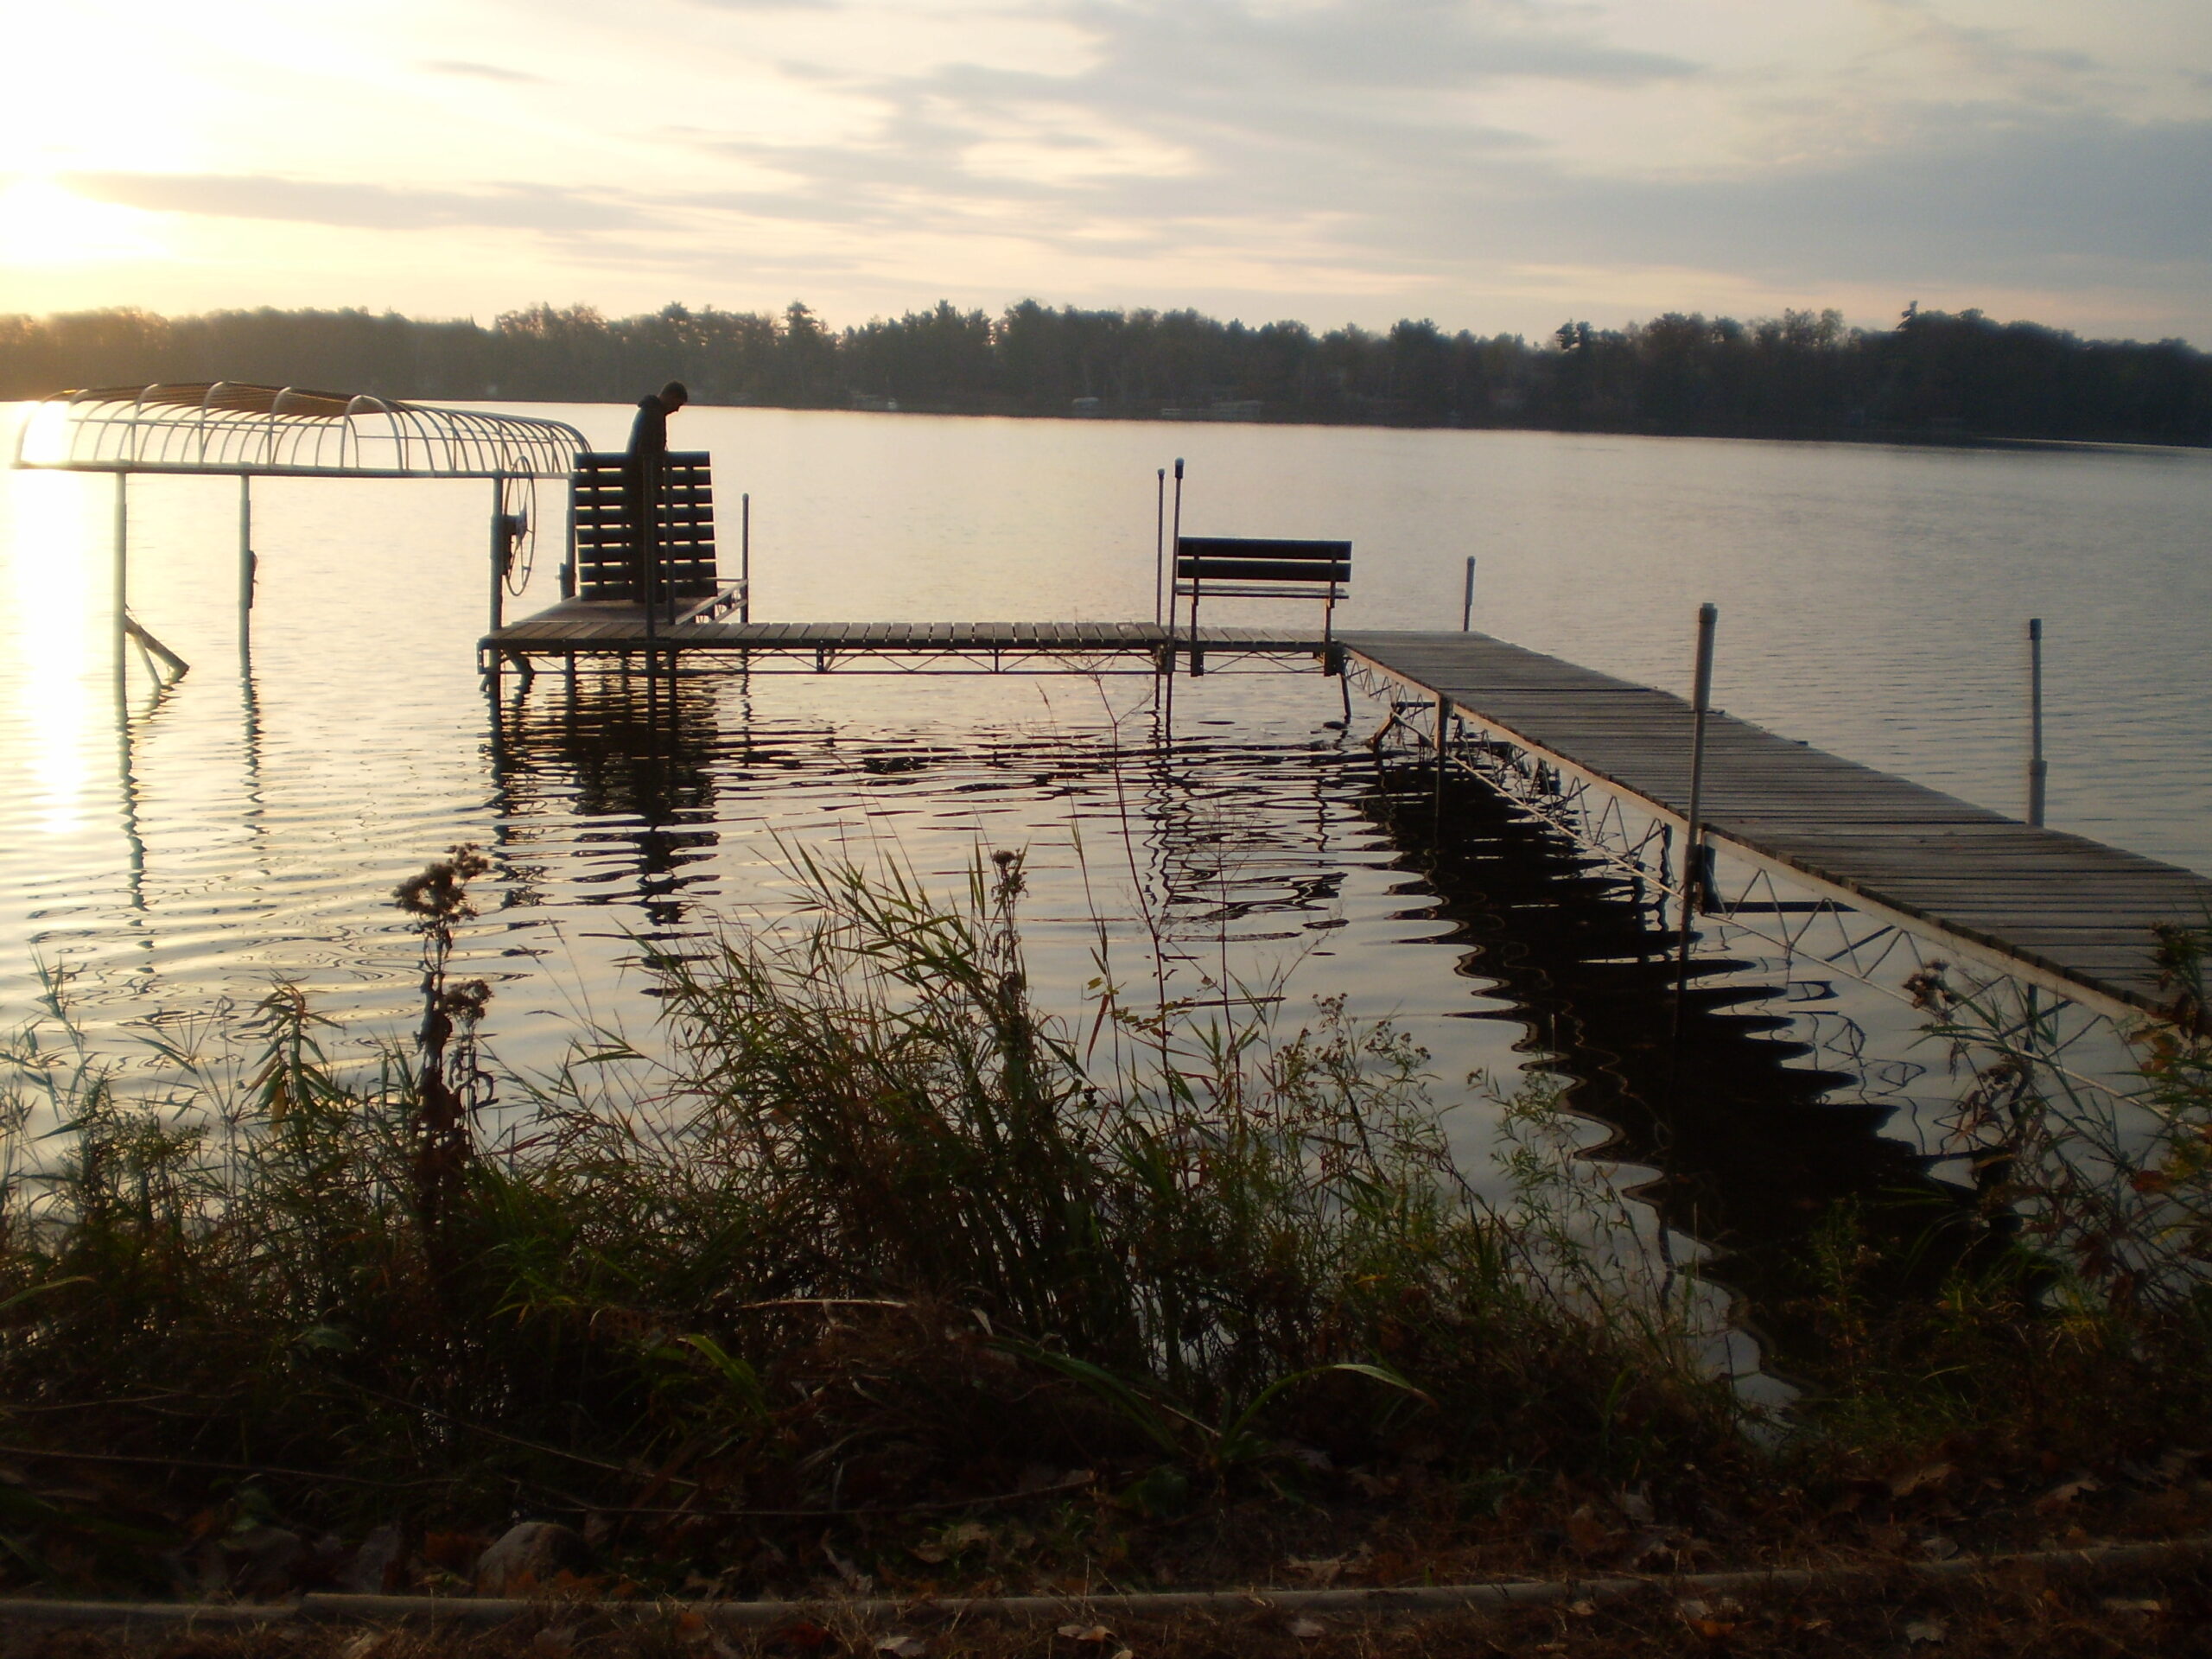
684,536
1218,560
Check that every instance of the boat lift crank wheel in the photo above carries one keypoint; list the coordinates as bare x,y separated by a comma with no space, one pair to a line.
518,515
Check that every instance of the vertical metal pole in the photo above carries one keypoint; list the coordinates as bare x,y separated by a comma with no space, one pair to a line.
1159,540
1467,602
1175,536
745,558
1443,738
569,566
2039,768
245,553
1708,617
122,549
498,556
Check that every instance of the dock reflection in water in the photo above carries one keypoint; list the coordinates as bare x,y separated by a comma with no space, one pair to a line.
1268,853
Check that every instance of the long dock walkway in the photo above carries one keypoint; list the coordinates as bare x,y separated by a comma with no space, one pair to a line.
2082,912
580,628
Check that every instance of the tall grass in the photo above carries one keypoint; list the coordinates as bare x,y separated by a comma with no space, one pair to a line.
873,1236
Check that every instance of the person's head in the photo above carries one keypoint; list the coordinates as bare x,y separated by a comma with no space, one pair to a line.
675,394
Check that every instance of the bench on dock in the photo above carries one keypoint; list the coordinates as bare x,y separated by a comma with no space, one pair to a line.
1241,567
683,535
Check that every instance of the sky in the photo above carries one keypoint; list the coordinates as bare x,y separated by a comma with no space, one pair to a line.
1498,165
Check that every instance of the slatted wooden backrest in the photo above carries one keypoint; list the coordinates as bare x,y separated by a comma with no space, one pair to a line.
684,536
1217,561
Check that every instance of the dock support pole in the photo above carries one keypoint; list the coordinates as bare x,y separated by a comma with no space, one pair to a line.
1443,744
498,556
245,556
1467,602
1158,541
745,558
2038,769
1174,557
122,550
1708,618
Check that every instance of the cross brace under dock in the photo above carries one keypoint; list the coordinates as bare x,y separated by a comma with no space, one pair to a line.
2083,915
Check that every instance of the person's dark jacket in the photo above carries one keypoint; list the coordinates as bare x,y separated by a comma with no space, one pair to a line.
649,433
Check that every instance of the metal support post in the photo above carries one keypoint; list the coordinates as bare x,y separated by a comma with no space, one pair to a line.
1467,602
1443,747
745,558
1175,544
498,556
1708,618
1159,540
568,564
2038,769
122,549
246,562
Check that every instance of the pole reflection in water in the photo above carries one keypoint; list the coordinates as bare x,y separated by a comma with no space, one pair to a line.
1751,1147
635,752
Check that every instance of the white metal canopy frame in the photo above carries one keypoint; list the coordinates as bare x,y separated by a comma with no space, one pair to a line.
230,428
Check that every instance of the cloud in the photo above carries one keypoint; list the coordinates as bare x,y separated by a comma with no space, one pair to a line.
482,72
364,206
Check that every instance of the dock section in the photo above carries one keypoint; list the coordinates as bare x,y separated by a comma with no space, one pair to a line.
577,629
2083,913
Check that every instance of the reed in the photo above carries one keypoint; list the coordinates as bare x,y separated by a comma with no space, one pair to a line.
872,1237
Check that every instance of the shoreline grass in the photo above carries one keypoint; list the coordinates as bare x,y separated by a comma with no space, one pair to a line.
876,1277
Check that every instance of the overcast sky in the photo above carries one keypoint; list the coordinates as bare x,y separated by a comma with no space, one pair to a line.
1499,165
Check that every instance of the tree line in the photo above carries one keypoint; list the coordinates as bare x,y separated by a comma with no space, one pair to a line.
1800,374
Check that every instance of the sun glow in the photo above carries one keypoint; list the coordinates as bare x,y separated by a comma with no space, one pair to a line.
45,520
43,224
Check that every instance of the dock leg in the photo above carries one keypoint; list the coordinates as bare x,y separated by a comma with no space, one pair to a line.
122,550
498,557
2039,768
1443,748
1708,617
245,561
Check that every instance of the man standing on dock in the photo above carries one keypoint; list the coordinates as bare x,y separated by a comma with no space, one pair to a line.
642,467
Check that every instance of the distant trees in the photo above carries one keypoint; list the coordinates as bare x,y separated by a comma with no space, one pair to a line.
1800,374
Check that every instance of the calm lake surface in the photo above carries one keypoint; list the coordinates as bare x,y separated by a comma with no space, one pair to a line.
249,827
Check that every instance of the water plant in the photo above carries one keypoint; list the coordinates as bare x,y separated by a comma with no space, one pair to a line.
872,1234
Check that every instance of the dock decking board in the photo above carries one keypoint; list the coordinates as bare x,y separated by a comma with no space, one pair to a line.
2083,912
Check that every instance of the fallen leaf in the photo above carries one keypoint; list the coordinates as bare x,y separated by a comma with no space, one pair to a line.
846,1569
1905,1485
903,1647
1936,1547
1323,1573
1637,1507
1306,1629
1583,1608
1925,1630
1086,1633
2134,1604
2066,1491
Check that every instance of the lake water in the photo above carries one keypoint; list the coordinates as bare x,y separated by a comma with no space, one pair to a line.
247,827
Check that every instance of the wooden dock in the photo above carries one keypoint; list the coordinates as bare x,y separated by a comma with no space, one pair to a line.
2083,913
581,628
2074,913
